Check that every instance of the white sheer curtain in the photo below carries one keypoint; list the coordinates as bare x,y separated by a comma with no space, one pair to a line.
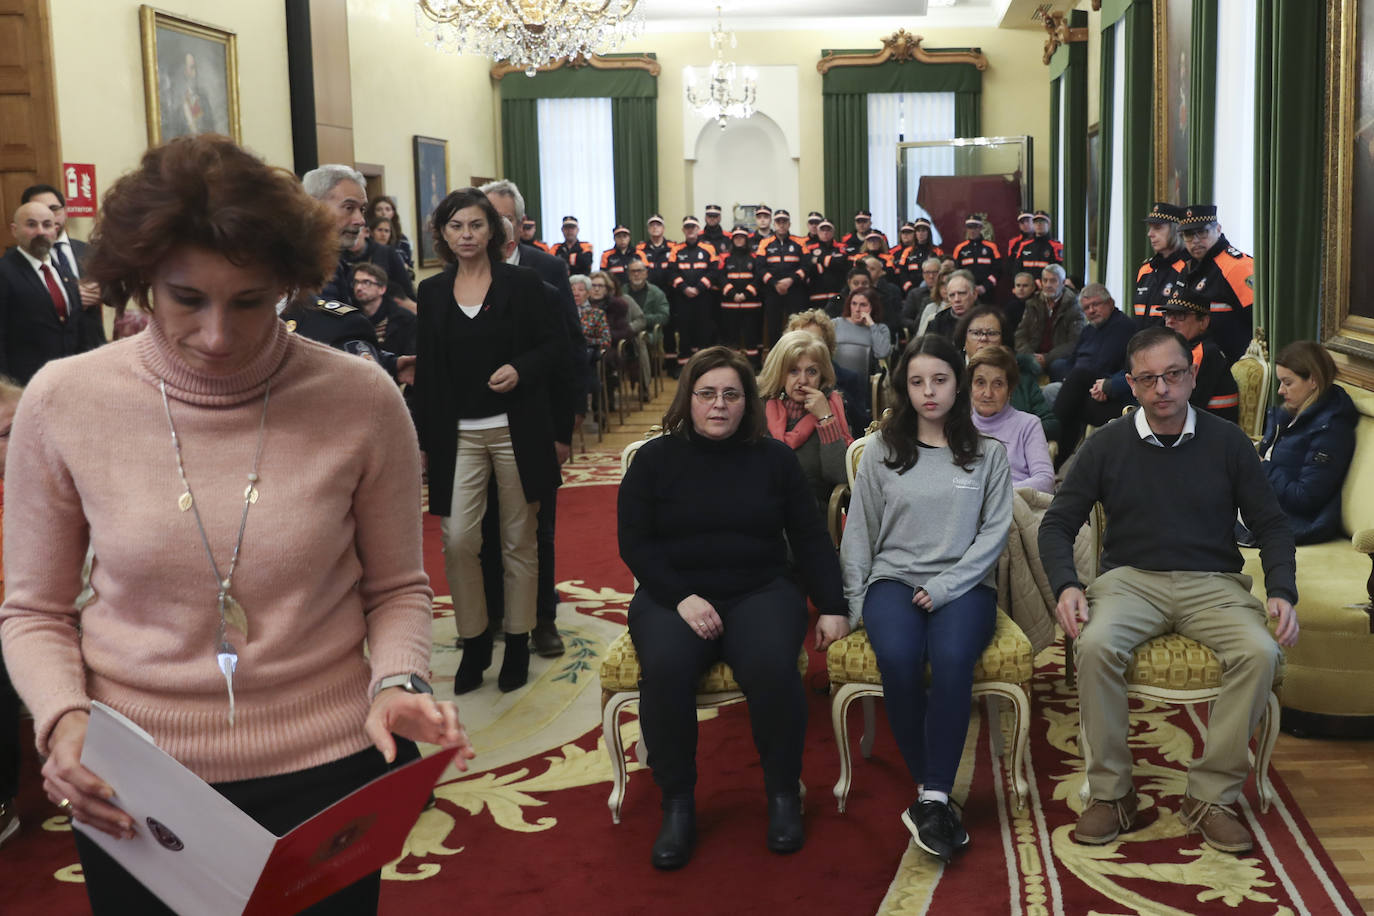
1114,274
1234,184
577,169
895,117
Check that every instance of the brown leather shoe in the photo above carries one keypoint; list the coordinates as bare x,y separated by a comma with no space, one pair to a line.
1103,820
1218,824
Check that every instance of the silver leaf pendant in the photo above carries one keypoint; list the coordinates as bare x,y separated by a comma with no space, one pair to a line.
235,616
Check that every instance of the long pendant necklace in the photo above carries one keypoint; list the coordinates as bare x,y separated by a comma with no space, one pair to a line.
231,613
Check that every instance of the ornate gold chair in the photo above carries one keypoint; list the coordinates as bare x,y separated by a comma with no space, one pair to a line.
1003,671
1252,373
620,685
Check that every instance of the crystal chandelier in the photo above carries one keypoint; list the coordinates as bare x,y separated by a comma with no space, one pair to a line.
529,33
728,92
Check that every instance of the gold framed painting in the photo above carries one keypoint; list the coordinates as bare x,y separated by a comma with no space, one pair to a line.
1348,282
190,77
1173,21
431,186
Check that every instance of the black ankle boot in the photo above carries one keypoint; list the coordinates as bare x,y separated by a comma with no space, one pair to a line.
515,665
785,832
476,659
678,835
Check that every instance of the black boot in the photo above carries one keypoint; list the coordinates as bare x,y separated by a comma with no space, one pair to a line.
677,836
785,822
515,665
476,659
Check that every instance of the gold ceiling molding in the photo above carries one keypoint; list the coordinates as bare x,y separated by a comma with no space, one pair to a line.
902,46
596,62
1060,34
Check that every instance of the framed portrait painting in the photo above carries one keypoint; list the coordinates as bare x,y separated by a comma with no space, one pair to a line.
1173,90
190,77
1348,281
431,186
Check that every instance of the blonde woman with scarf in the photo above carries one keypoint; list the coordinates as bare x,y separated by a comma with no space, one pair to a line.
803,409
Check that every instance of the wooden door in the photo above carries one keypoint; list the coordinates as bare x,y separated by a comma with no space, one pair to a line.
30,147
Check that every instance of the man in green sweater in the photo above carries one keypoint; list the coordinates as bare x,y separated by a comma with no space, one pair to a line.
1171,479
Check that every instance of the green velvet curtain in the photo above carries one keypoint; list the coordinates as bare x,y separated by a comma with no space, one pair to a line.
1069,70
844,118
520,151
634,133
1202,104
1138,149
1106,104
634,138
1290,95
844,145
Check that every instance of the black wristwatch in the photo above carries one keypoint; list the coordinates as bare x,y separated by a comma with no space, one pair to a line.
410,683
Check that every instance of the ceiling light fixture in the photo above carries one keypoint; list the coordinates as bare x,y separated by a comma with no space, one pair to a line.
529,33
728,91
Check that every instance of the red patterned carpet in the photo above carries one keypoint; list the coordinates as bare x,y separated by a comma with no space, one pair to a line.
529,831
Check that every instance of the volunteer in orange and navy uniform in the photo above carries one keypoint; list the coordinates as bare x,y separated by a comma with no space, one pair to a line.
615,260
1025,224
979,256
1040,251
1215,390
875,246
827,268
906,235
763,225
813,220
863,225
573,252
1157,280
694,286
907,264
713,233
657,254
782,270
741,306
1220,275
528,235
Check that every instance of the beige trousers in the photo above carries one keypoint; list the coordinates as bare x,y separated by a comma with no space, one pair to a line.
480,454
1127,606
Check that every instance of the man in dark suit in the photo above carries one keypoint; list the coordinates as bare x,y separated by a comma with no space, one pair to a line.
544,641
40,307
69,255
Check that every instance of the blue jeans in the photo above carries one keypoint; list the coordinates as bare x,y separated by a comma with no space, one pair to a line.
930,724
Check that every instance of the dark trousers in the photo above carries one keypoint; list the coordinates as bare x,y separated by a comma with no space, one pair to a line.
741,328
763,633
696,323
9,736
930,724
778,307
1075,408
278,803
493,576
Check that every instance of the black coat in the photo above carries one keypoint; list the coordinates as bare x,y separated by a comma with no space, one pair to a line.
569,396
540,347
30,332
1308,464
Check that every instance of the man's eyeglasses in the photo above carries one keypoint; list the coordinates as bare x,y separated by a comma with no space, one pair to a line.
709,395
985,333
1170,376
365,281
1196,232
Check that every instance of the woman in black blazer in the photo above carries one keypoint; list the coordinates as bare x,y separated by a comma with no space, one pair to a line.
487,349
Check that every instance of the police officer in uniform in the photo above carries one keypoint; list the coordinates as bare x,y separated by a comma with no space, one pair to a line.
907,265
782,270
875,246
528,235
813,221
1221,276
713,233
763,225
572,251
1157,280
693,268
827,269
741,307
615,260
979,257
1025,223
657,254
1215,390
1040,251
338,325
863,225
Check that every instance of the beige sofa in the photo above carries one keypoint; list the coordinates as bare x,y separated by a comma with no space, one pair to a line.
1329,686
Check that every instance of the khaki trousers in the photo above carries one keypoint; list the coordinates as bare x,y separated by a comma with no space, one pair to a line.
480,454
1128,606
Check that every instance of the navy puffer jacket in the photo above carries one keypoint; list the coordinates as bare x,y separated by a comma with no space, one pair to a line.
1309,463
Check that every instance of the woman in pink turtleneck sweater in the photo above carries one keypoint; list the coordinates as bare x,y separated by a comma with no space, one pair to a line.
330,557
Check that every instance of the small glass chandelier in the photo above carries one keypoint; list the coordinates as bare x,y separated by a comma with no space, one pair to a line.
529,33
728,91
